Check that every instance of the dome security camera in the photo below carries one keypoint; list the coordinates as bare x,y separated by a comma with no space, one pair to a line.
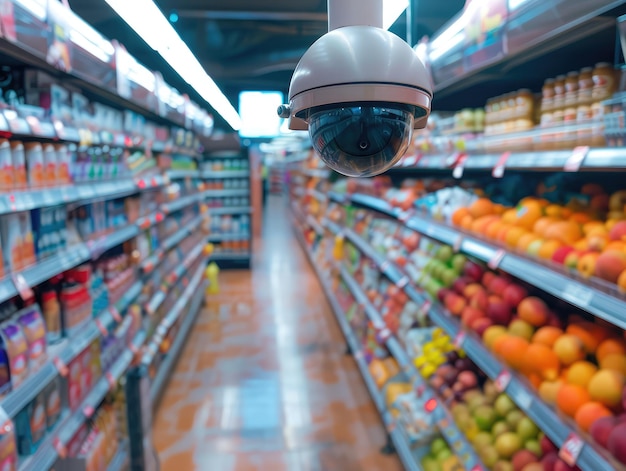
360,91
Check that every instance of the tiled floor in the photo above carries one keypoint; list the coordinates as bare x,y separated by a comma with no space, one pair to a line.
263,383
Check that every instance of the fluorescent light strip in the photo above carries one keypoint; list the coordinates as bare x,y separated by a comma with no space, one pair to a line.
392,9
146,19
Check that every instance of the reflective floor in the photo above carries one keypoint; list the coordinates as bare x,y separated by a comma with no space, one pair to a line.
263,383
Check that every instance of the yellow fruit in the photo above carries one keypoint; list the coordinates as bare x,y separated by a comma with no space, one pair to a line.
580,373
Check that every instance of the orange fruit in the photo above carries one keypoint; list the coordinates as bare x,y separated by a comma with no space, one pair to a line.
580,218
466,222
491,334
458,215
609,346
542,224
570,398
615,362
547,335
588,413
585,332
513,235
567,232
548,390
524,241
480,225
493,228
594,227
527,214
580,373
553,210
548,248
569,349
481,207
509,216
534,379
513,351
606,387
541,360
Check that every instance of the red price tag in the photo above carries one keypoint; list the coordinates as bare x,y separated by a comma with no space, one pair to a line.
460,166
402,282
153,182
88,411
102,328
141,184
495,261
457,243
460,339
12,202
22,287
571,449
575,160
159,217
503,379
59,448
426,307
148,268
60,366
110,379
430,405
115,314
498,169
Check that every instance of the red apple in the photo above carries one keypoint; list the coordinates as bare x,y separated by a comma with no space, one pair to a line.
549,461
442,293
473,270
547,446
455,303
498,285
513,294
500,312
560,254
617,443
459,285
480,325
469,315
601,430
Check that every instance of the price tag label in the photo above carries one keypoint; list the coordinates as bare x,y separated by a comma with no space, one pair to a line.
60,366
459,168
22,287
502,380
133,348
88,412
159,217
115,314
110,379
359,355
404,216
577,294
141,184
60,448
426,307
571,449
384,265
102,328
161,330
402,282
523,398
495,261
154,182
97,247
430,405
498,169
12,202
576,159
457,243
459,339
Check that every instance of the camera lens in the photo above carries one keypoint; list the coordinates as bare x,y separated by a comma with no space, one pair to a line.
361,141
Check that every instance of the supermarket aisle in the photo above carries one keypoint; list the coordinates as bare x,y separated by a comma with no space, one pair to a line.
263,383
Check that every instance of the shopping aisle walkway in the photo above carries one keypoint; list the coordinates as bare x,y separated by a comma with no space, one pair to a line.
263,383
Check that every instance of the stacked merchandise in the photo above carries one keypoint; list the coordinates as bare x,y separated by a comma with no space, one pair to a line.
228,182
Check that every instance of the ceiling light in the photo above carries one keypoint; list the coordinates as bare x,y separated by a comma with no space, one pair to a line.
392,9
145,18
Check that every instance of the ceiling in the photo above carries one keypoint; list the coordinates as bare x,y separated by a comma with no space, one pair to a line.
248,44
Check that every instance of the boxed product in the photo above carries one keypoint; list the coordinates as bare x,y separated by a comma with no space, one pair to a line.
54,406
31,425
8,449
13,352
33,327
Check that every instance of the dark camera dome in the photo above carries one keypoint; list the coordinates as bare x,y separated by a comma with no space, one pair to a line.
361,141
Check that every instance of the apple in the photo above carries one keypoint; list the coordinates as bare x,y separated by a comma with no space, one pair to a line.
444,253
459,285
480,325
514,293
441,294
473,271
560,254
500,312
479,300
498,285
458,262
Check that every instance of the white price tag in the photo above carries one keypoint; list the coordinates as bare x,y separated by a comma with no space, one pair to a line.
577,294
495,261
498,169
22,287
459,340
457,243
402,282
502,380
571,449
523,398
60,366
575,160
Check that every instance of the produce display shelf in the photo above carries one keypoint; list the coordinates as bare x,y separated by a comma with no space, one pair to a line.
20,397
456,440
398,438
603,158
180,174
211,174
148,264
557,429
54,445
217,256
121,459
230,192
578,293
228,236
231,210
172,316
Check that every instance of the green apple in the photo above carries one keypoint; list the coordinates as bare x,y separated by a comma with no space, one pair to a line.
437,445
444,253
513,418
527,430
458,262
449,277
482,439
489,456
534,447
485,417
507,445
499,428
504,405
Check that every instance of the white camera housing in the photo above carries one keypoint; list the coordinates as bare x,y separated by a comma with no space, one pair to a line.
360,91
